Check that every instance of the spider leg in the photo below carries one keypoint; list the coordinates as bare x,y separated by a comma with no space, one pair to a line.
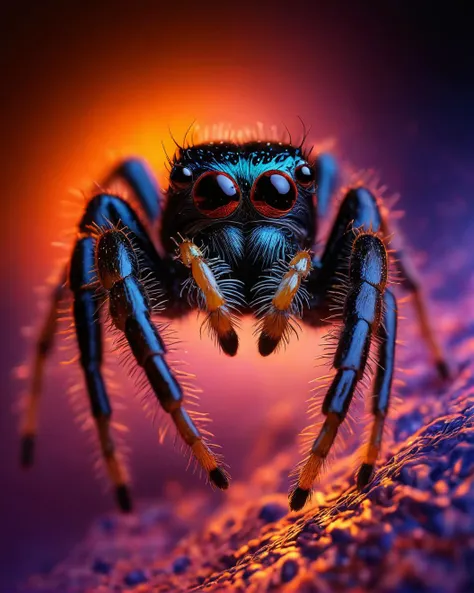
354,231
117,267
411,282
358,210
43,347
136,173
83,281
109,261
387,334
138,176
326,179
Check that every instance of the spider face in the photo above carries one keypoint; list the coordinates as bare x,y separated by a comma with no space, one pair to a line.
256,199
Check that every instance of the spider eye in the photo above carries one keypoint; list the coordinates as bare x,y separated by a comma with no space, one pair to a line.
273,194
181,176
216,194
305,175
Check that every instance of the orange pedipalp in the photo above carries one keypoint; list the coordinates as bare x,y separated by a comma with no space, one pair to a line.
220,318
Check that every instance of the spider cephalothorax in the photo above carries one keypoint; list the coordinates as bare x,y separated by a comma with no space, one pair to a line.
249,205
237,228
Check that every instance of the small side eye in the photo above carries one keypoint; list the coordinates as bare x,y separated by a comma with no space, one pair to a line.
216,194
181,176
273,194
305,175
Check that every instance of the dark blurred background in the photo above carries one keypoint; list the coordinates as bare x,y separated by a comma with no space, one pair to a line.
84,84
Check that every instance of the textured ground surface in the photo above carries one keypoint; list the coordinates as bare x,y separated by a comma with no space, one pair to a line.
411,531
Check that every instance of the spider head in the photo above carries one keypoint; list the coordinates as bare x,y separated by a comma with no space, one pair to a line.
254,188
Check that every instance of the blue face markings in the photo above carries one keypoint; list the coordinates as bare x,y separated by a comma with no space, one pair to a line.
243,162
271,206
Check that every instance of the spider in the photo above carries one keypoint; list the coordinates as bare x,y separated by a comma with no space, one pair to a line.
236,234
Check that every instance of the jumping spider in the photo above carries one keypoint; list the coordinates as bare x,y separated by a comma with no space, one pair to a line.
236,230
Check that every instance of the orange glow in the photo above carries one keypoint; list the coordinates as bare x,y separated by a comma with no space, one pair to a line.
76,137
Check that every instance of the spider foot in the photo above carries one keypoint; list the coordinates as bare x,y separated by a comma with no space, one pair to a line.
123,497
267,344
298,498
219,478
229,342
365,474
444,371
27,450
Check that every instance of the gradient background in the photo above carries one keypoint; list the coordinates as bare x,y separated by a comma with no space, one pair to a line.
81,84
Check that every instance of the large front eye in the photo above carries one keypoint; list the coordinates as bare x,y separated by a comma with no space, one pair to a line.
273,194
216,194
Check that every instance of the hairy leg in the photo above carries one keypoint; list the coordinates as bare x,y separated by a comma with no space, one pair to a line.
117,268
410,281
43,347
140,179
355,255
387,336
101,211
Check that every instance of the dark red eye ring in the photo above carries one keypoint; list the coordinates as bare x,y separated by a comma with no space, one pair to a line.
216,194
273,194
305,175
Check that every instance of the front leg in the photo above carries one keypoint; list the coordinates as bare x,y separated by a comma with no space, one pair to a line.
117,267
136,174
362,315
101,211
387,336
360,210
